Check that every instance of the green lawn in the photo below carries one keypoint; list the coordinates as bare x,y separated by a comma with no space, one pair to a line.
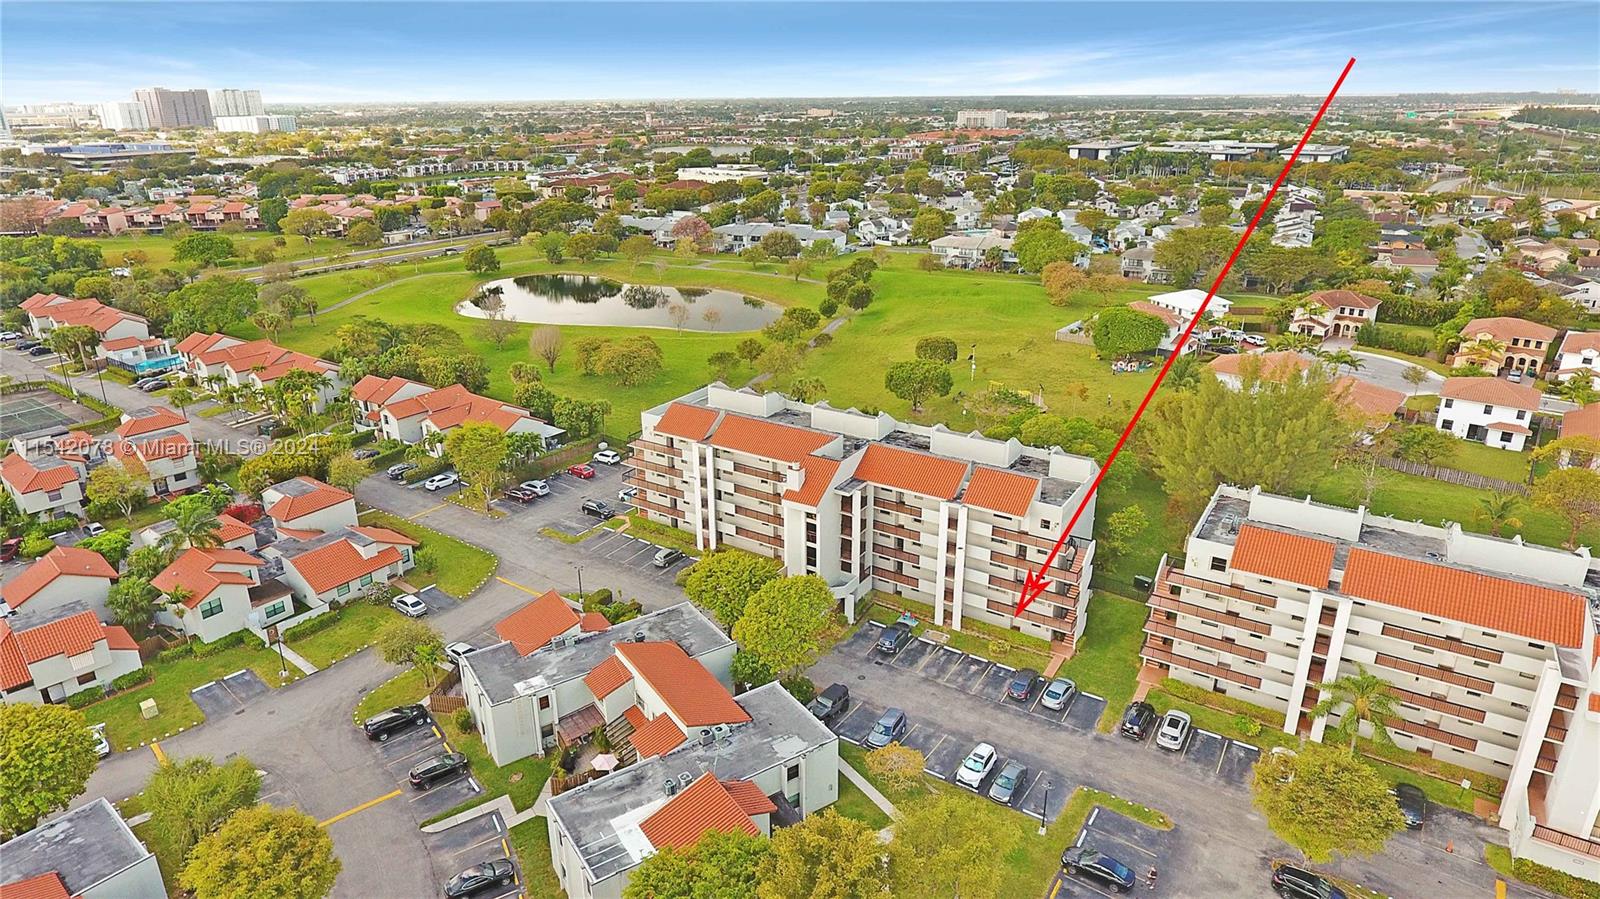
357,626
458,568
852,803
531,841
993,643
1163,533
158,249
404,688
1557,882
1106,662
521,780
655,532
169,866
126,728
1490,462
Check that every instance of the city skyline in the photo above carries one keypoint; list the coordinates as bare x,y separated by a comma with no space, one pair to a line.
90,52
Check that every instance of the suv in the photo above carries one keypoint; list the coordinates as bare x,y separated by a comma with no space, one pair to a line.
1413,804
1084,860
891,726
598,509
537,488
1137,720
433,770
894,637
1021,686
1298,883
831,703
608,457
1174,730
381,725
664,558
976,766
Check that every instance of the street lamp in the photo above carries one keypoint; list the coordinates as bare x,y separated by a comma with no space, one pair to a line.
1044,810
580,580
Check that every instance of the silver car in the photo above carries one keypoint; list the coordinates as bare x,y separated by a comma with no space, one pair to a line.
1008,783
1058,693
1174,730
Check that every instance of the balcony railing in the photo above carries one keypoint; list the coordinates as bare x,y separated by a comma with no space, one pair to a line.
1435,672
1162,628
1157,653
890,505
652,486
1230,619
897,578
668,511
753,493
655,447
667,470
1436,734
1172,575
1567,841
767,539
1433,703
1448,644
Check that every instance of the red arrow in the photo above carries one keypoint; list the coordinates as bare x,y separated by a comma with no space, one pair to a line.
1036,583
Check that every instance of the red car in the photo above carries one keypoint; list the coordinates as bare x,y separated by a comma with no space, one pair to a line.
582,471
9,549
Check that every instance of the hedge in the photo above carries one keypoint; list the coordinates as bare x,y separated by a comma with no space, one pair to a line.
201,650
132,679
427,469
1393,339
57,526
311,626
1545,878
85,698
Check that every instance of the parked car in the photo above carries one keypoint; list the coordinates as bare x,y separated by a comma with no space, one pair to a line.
264,429
10,335
831,704
430,771
10,548
40,351
1137,720
1021,686
517,494
664,558
27,344
976,766
1413,804
409,606
1174,730
627,494
598,509
537,488
1058,693
1514,377
483,876
891,726
93,529
894,637
608,457
1224,350
1101,867
364,453
457,651
441,481
399,470
380,726
102,746
1254,340
581,471
1297,883
1008,782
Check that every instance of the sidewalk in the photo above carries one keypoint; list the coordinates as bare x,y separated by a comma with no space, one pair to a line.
878,799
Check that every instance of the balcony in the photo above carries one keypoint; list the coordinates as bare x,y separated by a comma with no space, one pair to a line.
1436,734
898,531
1061,568
675,514
766,539
653,487
747,512
655,447
764,474
635,462
1448,644
898,578
1174,576
1060,622
1057,588
892,506
762,495
897,554
1229,619
1435,704
1154,652
1435,672
1567,841
1157,627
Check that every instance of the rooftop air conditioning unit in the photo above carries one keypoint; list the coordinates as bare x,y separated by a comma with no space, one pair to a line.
685,779
670,787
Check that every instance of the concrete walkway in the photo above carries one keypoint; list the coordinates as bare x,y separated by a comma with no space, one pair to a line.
865,786
296,659
500,804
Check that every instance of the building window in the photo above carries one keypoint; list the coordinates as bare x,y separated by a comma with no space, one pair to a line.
405,554
1521,414
1488,409
344,590
544,703
211,607
276,609
1218,563
86,679
1447,425
366,580
1448,403
1505,436
792,772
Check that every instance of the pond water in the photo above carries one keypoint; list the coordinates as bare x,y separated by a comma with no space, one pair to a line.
587,300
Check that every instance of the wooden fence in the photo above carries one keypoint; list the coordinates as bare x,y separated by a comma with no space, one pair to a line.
1453,476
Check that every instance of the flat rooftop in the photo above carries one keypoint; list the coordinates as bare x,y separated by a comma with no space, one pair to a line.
84,847
602,817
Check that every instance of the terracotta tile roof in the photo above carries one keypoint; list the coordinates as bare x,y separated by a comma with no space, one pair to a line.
160,418
693,694
818,472
26,477
43,886
299,533
340,562
322,496
593,622
1484,600
373,389
607,677
684,420
1333,299
1495,391
915,472
635,716
537,623
1290,557
1509,427
232,529
768,439
197,343
656,736
198,571
749,797
67,636
1001,491
171,445
63,561
1371,400
117,637
1272,366
13,669
703,805
1148,308
384,535
1578,341
1585,421
1505,328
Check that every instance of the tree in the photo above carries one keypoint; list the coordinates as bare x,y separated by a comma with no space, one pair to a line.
1426,445
938,349
1572,493
481,260
798,267
1323,800
898,765
1416,376
263,852
48,755
825,856
750,349
194,522
1499,510
133,602
719,865
917,379
635,248
408,641
808,389
1577,390
722,583
345,471
1061,280
306,223
631,361
364,233
75,341
859,296
1359,698
694,229
1041,242
940,848
189,798
1190,252
477,449
545,342
1122,330
495,326
583,247
553,245
112,545
755,256
119,485
206,249
783,622
779,244
1123,527
211,305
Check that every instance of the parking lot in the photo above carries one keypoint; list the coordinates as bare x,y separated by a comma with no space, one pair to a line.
633,552
228,695
474,842
1140,848
403,751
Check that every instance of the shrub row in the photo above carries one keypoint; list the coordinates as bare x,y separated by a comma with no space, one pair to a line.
427,469
200,650
1393,339
310,626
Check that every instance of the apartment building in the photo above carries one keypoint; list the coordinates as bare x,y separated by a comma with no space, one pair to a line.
405,410
954,521
231,102
218,360
165,109
45,486
123,116
981,118
48,311
1489,645
256,124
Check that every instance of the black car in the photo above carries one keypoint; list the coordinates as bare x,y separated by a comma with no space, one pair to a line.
894,637
1225,350
40,351
398,471
433,770
831,704
27,344
1297,883
598,509
267,428
365,453
1083,860
1413,804
1021,686
480,877
380,726
1138,720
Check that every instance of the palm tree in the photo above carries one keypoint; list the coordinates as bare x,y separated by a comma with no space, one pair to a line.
1578,390
1363,697
1293,341
1481,350
1499,510
181,397
193,524
1341,359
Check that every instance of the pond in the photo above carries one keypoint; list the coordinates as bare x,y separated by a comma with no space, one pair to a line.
587,300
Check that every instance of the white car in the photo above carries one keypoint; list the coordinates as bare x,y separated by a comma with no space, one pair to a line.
409,605
538,488
10,335
1254,340
456,651
608,457
93,529
1174,730
627,494
441,481
102,746
976,767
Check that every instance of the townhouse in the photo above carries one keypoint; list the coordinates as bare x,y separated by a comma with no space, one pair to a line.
1488,644
64,575
1577,357
954,521
215,360
410,412
972,250
231,533
1334,313
335,567
1491,411
1503,345
305,506
210,592
47,655
737,237
88,852
123,335
46,486
157,442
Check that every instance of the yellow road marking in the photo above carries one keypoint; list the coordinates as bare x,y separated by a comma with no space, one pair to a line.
426,511
1055,888
360,808
1499,889
527,590
437,735
161,755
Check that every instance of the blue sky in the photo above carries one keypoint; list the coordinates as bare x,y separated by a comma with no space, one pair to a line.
328,51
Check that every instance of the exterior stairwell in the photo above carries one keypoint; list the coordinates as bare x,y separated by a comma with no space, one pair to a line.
619,733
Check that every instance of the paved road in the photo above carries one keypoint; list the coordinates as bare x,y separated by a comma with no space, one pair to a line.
1387,371
1447,185
434,248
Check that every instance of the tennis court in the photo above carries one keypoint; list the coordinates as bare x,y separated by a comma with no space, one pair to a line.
24,412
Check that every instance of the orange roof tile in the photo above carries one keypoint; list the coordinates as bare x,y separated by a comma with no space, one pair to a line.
1371,400
593,622
1333,299
67,636
914,472
340,562
1505,328
1483,600
704,805
656,736
1578,341
373,389
62,561
689,422
607,677
749,797
768,439
232,528
160,418
1495,391
13,669
693,694
117,637
1273,366
818,472
323,496
537,623
1583,421
27,477
43,886
1290,557
384,535
1001,491
635,716
198,572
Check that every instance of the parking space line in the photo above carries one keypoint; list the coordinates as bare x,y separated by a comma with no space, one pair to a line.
426,511
160,754
360,808
527,590
492,838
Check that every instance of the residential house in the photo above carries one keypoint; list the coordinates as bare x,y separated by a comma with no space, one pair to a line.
1491,411
213,360
88,852
411,413
305,506
157,441
1488,645
1579,356
48,311
336,567
64,575
1503,345
1541,255
971,250
210,592
231,533
46,486
738,237
49,654
1420,263
1334,313
657,227
884,231
545,619
1372,404
1139,264
1581,422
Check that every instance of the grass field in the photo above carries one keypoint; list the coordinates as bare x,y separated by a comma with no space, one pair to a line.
158,249
531,841
404,688
126,727
458,567
358,625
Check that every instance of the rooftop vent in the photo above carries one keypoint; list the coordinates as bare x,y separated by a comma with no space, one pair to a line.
638,636
670,787
685,779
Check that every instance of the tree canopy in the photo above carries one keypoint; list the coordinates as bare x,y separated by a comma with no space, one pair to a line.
46,757
1324,800
723,582
1121,330
783,622
263,852
719,865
